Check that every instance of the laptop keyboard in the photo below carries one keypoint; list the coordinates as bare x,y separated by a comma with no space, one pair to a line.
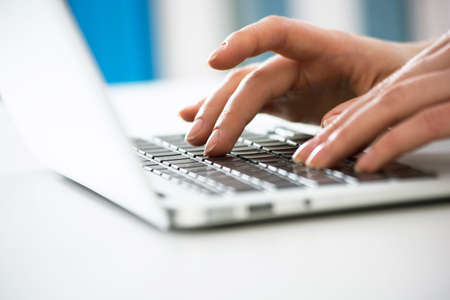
257,162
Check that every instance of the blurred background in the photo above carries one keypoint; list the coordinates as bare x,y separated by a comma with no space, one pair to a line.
141,40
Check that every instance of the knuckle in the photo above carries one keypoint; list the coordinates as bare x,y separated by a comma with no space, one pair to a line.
236,74
397,93
279,26
446,50
273,19
442,40
256,77
422,58
393,97
435,122
236,35
340,136
258,73
446,36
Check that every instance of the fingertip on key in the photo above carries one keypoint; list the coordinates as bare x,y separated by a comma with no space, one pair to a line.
366,162
195,130
300,155
212,141
315,158
297,158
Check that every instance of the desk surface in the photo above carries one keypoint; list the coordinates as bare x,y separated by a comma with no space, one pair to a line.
59,241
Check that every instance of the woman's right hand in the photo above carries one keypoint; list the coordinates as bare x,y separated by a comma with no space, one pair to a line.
313,70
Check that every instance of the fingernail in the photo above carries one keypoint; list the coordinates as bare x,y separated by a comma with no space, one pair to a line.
296,159
298,155
328,121
312,161
358,170
195,130
216,52
212,141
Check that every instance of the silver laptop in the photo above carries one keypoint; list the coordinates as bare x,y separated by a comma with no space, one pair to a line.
55,94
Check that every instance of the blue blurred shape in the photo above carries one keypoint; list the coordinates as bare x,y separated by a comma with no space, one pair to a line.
119,35
387,19
250,11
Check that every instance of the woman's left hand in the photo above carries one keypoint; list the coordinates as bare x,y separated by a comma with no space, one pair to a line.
407,110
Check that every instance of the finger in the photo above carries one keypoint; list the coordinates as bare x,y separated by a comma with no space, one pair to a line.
189,112
332,114
305,150
329,120
398,103
437,46
290,38
421,129
333,123
212,107
269,81
434,58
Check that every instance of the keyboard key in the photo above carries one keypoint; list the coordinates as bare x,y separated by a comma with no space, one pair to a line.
345,170
171,158
256,162
185,161
260,156
281,148
400,171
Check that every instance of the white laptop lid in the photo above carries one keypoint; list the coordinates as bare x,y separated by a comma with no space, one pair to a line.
55,94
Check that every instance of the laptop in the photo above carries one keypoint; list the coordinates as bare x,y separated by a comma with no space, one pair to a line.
56,96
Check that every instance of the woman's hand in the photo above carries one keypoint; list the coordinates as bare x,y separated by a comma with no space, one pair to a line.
314,70
407,110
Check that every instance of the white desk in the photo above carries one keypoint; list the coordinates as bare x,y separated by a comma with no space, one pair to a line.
59,241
